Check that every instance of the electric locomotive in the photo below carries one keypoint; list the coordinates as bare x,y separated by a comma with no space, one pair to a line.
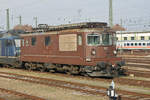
82,48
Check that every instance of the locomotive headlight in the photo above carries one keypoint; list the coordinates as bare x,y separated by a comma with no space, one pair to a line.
88,59
93,52
115,52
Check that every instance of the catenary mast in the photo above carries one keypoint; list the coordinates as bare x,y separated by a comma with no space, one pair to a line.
110,13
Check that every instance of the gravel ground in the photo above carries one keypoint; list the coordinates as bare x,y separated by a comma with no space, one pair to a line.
49,93
7,96
52,93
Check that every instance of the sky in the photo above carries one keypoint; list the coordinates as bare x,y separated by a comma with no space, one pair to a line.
54,12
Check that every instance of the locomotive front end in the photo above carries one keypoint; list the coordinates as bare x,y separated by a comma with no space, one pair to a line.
101,54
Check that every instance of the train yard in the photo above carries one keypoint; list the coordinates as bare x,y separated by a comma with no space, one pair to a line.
75,55
132,80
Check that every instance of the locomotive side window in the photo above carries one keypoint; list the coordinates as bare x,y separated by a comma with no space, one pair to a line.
135,44
33,42
93,39
79,40
47,40
27,43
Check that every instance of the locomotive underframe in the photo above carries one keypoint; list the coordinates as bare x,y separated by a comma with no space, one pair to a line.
100,70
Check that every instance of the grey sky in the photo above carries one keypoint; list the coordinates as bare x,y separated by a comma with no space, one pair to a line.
55,12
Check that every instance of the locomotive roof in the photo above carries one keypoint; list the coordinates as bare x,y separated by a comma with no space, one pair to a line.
70,31
76,27
45,27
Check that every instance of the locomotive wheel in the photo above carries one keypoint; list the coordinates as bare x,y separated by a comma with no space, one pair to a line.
28,67
86,75
41,69
108,70
52,71
6,66
69,73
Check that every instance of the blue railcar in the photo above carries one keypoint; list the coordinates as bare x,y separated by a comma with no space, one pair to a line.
9,50
10,46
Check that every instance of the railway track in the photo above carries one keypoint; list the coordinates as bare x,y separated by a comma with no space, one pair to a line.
2,98
138,73
134,62
88,89
120,80
23,95
137,61
138,65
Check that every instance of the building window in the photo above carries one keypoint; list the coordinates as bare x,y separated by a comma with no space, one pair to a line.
79,40
132,38
142,38
148,44
33,42
47,40
116,38
125,38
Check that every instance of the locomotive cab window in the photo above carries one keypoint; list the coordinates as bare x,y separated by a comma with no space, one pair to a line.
107,39
93,39
33,42
22,41
47,40
8,42
17,42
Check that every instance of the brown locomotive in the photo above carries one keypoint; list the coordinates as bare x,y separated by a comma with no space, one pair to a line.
81,48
